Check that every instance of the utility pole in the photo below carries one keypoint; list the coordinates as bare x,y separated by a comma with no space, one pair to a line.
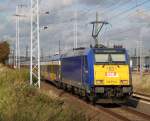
13,58
135,52
17,39
141,58
75,27
35,45
17,15
137,56
42,54
138,45
27,51
96,28
59,49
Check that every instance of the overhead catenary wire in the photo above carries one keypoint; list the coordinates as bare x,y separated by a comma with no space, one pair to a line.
110,8
128,10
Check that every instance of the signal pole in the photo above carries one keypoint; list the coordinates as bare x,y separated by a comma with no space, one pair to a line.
35,45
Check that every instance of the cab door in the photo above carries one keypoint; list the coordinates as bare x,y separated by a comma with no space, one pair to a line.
85,71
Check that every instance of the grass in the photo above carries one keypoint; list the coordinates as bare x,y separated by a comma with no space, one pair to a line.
141,84
21,102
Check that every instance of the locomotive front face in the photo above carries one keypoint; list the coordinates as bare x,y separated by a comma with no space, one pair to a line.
111,75
111,68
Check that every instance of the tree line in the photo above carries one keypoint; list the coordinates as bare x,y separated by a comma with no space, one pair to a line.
4,51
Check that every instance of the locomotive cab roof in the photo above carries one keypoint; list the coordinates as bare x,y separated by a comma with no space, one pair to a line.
85,51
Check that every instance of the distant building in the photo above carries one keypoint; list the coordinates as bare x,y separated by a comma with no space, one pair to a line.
144,61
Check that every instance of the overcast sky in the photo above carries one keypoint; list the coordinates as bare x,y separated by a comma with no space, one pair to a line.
129,22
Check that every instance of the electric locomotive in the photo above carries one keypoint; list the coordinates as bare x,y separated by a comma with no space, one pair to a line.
98,73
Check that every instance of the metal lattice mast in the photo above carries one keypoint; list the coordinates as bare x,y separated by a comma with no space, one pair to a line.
35,45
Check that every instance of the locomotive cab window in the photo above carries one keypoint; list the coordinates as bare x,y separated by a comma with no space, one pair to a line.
110,58
118,57
101,58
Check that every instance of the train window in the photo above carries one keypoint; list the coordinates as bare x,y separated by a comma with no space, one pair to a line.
48,68
101,58
118,58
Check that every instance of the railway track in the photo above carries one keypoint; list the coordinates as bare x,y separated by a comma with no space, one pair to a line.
141,96
119,112
113,113
125,113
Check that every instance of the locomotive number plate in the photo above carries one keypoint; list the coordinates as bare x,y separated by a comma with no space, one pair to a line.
111,74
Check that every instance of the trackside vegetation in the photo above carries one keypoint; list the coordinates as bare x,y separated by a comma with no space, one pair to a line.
141,85
21,102
4,51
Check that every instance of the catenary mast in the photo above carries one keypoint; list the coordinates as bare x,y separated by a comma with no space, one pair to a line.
35,45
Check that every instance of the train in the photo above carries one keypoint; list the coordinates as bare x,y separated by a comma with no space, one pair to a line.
98,74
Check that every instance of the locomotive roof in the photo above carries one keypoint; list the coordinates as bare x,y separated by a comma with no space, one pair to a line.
85,51
76,52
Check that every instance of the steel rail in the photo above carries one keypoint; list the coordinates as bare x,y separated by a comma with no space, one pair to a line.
128,109
141,96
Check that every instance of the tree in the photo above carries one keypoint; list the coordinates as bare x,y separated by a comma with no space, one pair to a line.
4,52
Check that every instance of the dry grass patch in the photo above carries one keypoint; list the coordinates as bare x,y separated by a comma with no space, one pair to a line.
141,84
21,102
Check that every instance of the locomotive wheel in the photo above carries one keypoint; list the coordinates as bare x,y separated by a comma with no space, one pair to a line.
61,85
93,100
72,90
80,93
58,85
65,87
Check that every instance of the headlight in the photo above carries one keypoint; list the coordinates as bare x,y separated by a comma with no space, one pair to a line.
124,81
100,81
